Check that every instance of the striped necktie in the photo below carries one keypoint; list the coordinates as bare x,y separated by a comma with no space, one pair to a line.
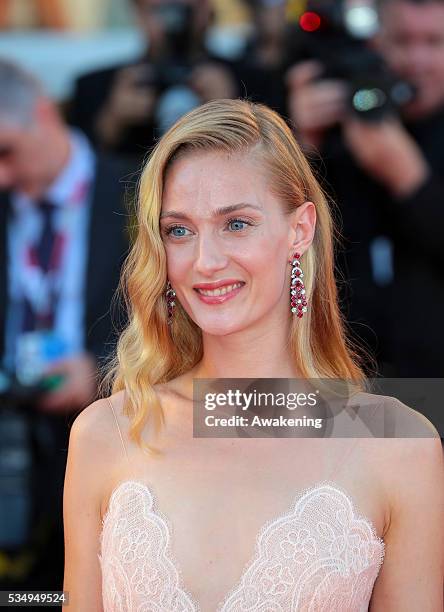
45,246
43,255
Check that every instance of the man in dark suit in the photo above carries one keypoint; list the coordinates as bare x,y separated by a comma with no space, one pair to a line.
63,238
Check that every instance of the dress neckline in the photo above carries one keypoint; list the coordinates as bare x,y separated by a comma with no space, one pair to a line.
298,499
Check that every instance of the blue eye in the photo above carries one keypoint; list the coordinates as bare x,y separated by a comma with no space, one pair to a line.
234,225
177,231
238,224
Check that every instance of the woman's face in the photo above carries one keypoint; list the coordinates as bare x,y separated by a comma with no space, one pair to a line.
228,241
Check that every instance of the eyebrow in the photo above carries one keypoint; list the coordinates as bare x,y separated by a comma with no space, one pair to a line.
219,212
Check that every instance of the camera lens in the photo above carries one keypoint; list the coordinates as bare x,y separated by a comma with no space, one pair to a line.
365,100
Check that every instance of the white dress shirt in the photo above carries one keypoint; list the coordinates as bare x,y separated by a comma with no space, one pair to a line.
70,193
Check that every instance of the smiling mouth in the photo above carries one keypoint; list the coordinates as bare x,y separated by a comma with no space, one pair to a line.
220,290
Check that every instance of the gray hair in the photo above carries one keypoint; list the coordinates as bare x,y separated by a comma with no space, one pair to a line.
19,92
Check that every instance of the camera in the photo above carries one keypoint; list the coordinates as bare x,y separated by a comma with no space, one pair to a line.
336,33
24,436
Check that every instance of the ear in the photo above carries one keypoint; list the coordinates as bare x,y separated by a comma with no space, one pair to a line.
302,228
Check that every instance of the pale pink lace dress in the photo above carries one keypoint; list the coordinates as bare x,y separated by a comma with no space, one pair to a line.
319,555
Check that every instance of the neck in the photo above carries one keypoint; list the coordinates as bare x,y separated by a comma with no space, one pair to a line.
251,353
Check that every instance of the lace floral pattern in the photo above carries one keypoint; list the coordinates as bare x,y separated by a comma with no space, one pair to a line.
137,571
320,556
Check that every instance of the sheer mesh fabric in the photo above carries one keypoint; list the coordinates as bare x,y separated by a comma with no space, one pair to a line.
318,556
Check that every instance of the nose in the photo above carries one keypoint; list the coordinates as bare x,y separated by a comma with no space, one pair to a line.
210,256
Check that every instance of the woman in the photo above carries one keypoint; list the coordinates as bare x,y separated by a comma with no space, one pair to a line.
231,276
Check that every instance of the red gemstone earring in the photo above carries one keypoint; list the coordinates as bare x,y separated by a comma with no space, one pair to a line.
170,294
298,300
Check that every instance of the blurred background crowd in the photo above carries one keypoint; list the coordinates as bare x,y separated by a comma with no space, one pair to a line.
86,89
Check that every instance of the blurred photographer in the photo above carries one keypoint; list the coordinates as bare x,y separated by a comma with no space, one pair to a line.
61,207
385,170
262,65
125,108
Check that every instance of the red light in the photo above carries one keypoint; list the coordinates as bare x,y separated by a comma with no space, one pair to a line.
309,21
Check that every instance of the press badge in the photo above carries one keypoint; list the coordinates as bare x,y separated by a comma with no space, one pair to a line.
36,351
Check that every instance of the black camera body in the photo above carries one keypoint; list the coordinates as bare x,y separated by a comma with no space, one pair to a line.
326,32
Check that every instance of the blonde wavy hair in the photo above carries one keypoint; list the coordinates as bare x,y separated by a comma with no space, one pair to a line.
149,351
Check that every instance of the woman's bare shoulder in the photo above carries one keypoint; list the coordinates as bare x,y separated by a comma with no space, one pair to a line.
95,421
94,433
401,444
407,452
388,417
95,454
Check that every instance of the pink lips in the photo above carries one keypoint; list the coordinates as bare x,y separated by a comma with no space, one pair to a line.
217,299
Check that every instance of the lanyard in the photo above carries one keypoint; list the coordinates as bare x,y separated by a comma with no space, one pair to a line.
43,261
